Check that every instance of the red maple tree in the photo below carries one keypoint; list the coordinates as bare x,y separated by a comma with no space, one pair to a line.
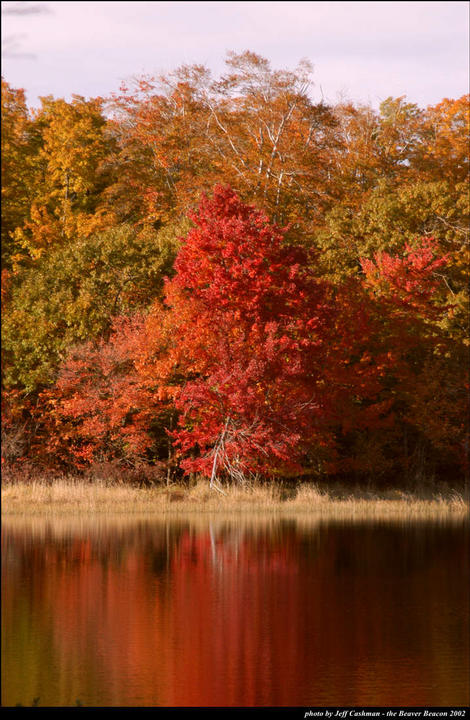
250,323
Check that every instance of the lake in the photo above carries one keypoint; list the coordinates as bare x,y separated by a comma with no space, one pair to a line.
234,611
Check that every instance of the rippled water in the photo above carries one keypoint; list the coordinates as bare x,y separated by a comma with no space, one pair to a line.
236,612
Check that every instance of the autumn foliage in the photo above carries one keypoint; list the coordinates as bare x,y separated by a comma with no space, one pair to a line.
225,277
249,318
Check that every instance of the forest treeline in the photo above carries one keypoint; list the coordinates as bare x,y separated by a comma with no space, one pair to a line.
224,276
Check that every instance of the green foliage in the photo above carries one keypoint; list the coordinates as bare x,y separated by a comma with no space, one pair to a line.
388,218
71,294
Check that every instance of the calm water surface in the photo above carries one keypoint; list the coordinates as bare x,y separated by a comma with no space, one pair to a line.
234,612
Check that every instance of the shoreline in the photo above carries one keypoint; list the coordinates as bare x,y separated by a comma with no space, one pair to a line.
77,497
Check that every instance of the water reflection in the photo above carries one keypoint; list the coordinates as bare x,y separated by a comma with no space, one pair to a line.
234,612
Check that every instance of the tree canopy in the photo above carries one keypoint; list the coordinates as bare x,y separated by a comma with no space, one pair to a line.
223,276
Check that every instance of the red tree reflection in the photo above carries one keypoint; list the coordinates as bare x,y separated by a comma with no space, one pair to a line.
237,616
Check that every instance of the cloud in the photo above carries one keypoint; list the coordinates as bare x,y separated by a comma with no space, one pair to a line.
25,8
11,47
369,49
11,44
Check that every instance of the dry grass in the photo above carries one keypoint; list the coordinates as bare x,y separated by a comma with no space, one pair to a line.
66,496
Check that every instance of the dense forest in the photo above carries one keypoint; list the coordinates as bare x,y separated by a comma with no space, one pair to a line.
222,276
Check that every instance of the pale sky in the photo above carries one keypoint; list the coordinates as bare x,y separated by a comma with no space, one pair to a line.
365,51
